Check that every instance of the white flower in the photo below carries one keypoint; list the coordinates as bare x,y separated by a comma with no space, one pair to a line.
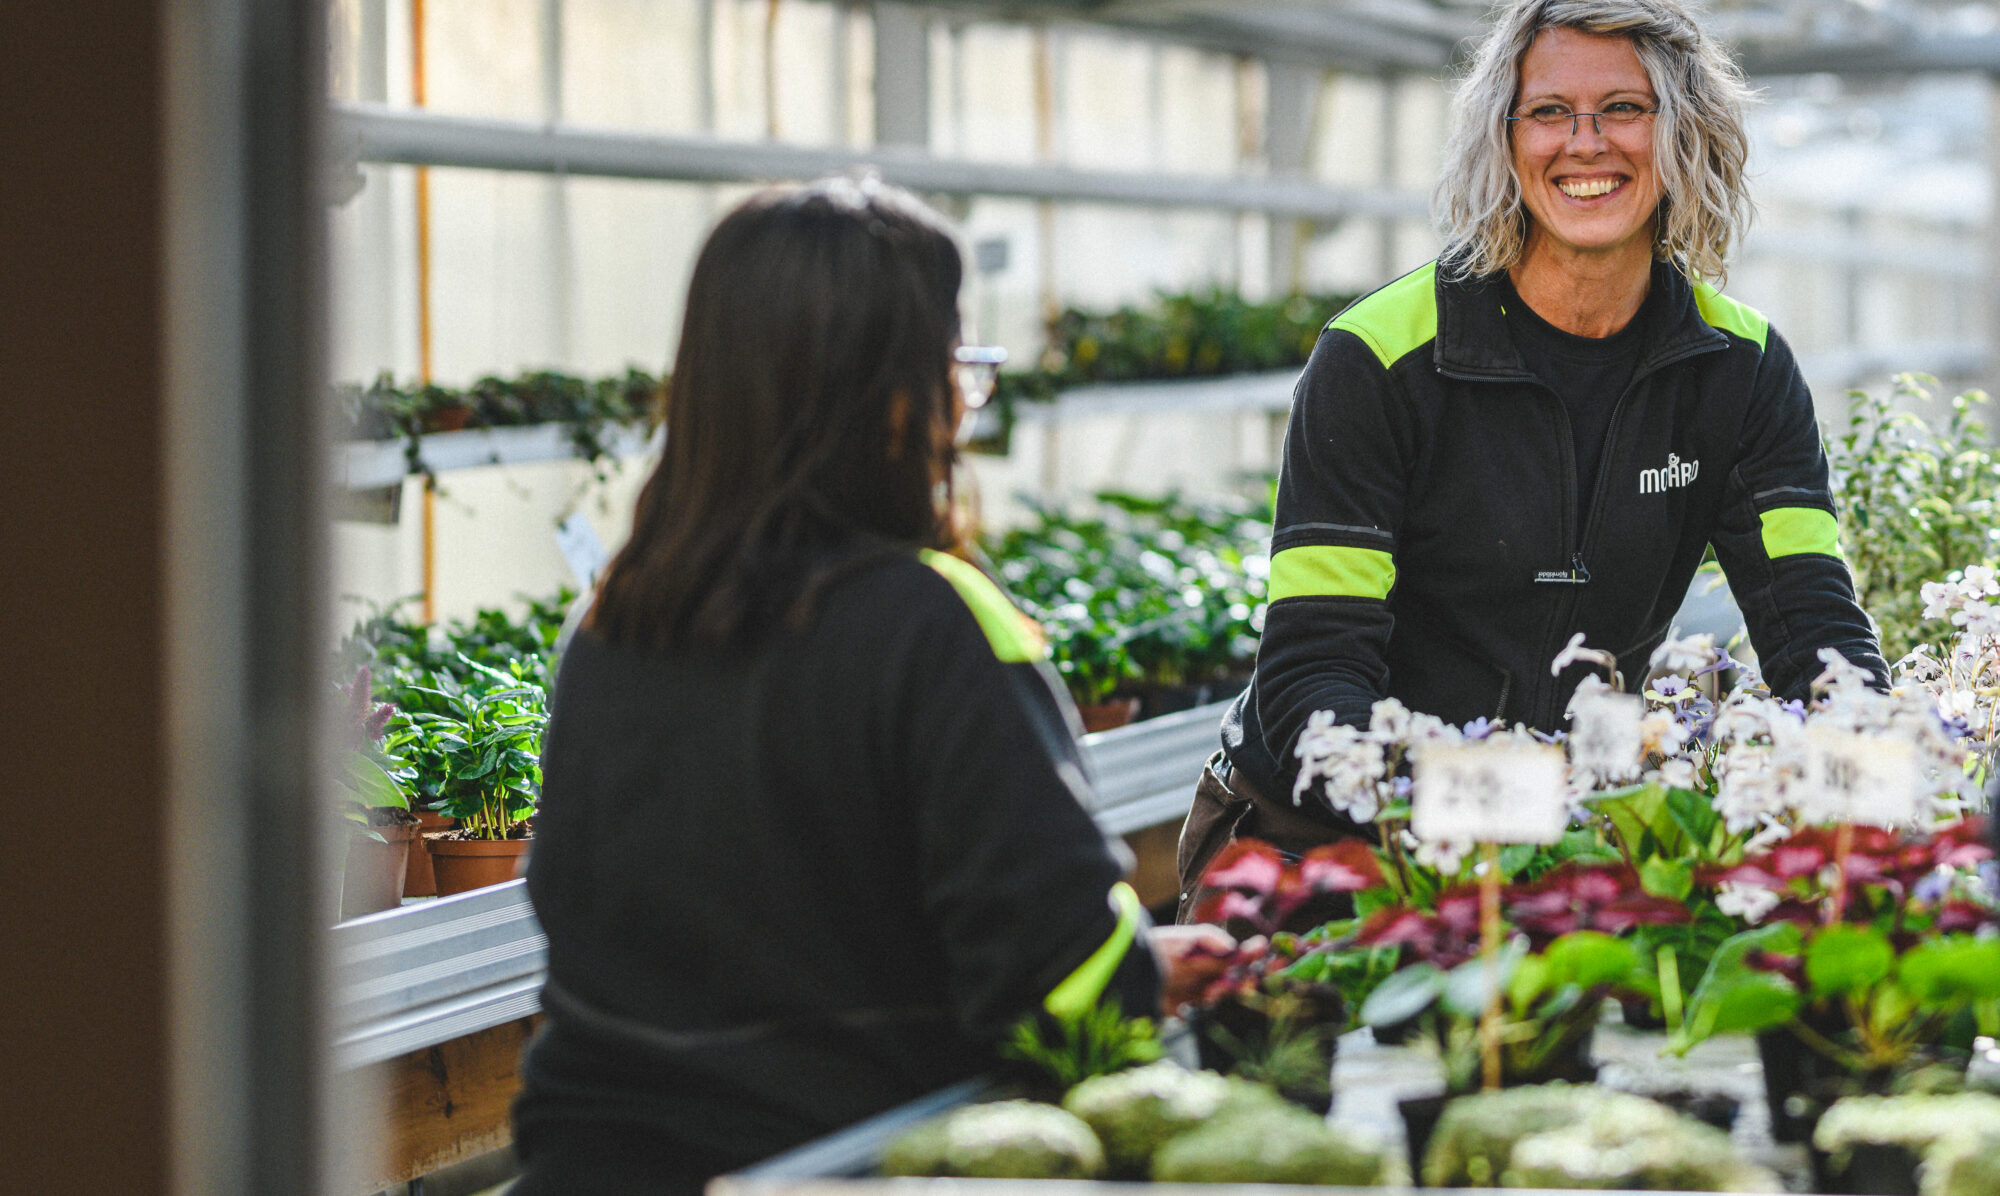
1747,902
1447,856
1981,581
1940,598
1840,676
1568,656
1981,620
1689,655
1390,719
1677,773
1661,734
1350,763
1589,685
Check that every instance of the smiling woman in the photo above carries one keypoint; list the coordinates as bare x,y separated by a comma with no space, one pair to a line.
1540,434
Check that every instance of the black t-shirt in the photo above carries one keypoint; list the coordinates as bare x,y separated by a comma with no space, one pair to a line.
1587,373
789,886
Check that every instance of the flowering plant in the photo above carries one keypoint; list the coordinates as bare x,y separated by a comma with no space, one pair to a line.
1866,958
374,782
1961,672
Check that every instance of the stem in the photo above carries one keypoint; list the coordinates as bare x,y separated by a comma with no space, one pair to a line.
1825,1046
1843,846
1489,950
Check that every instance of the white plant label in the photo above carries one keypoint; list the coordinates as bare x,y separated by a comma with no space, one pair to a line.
1489,792
1869,779
582,551
1604,736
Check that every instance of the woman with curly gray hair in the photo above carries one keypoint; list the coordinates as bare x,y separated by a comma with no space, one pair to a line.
1542,432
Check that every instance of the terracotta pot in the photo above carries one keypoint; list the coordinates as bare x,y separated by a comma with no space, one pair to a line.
466,864
375,871
1107,716
420,881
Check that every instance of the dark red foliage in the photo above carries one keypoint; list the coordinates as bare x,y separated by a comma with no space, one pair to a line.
363,720
1791,967
1447,936
1576,897
1884,859
1254,889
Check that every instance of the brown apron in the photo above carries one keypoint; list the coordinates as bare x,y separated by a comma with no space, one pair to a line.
1227,807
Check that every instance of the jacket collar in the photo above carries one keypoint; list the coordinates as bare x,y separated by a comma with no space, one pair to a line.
1473,342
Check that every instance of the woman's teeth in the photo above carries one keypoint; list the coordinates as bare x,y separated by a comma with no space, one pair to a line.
1589,188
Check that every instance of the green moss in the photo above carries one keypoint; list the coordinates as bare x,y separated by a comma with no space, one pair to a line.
1581,1137
1964,1164
1003,1140
1273,1144
1134,1113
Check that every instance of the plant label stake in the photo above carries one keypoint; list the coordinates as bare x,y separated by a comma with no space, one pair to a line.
1852,778
1604,737
1490,793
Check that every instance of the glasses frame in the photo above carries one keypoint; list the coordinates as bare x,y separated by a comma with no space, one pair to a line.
1595,122
976,370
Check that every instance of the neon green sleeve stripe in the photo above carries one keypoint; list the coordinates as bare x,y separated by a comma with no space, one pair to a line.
1790,531
1324,571
1080,989
1016,638
1720,311
1397,318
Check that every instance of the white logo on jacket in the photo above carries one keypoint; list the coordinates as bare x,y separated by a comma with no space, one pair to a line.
1676,473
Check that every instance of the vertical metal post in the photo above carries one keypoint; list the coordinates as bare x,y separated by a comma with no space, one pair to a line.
1388,152
560,292
245,443
1046,91
418,99
902,75
1291,100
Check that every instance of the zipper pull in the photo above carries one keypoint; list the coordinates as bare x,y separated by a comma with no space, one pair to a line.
1577,572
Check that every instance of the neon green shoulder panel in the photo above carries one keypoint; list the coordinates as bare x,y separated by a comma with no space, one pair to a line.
1015,637
1396,319
1720,311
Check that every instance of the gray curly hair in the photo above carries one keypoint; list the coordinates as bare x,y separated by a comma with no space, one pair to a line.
1699,145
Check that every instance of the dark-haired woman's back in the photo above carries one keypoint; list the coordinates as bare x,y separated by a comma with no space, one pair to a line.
789,885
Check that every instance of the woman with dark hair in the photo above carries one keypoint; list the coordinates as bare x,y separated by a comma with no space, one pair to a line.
812,834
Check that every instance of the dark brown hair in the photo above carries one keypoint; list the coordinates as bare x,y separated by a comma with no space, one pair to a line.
811,411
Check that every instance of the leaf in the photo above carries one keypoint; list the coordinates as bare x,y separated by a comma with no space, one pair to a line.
1589,958
1671,878
1747,1002
372,785
1952,969
1843,959
1467,985
1694,814
1403,996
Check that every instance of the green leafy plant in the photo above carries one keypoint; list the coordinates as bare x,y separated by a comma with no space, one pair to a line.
373,780
475,749
1138,592
1918,499
1059,1052
588,408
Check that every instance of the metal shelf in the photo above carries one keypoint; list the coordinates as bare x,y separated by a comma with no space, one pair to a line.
359,464
414,977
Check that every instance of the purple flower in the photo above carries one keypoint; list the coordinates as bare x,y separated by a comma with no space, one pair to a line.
1479,728
1401,787
1669,685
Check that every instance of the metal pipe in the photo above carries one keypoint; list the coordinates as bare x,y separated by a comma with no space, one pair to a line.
432,139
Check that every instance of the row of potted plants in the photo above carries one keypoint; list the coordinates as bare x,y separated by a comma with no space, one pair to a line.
444,752
1149,604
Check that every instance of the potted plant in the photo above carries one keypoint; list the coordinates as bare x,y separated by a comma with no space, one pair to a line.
1275,1014
375,806
476,751
1864,969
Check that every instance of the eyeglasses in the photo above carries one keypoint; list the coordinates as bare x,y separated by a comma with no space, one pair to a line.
976,371
1545,122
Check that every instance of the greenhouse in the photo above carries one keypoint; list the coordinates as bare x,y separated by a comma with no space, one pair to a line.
806,597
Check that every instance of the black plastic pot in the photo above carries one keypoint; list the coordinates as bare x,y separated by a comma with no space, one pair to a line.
1873,1169
1795,1079
1420,1121
1228,1031
1711,1107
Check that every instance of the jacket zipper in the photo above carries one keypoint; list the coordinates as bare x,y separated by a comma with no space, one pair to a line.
1542,690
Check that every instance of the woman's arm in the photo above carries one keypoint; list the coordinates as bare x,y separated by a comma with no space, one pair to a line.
1778,538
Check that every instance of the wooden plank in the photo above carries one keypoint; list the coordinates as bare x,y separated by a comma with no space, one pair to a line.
448,1103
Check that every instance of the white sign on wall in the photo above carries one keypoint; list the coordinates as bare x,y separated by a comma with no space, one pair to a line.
1604,732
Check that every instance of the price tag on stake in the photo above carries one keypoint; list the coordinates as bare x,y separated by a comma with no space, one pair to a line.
1604,733
1867,779
1489,792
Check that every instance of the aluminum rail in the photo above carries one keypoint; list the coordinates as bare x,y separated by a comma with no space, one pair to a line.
377,133
359,464
414,977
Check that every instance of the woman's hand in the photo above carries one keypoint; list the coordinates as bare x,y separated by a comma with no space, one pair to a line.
1191,956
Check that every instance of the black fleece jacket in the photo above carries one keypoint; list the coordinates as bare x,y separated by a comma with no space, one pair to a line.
788,886
1427,544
